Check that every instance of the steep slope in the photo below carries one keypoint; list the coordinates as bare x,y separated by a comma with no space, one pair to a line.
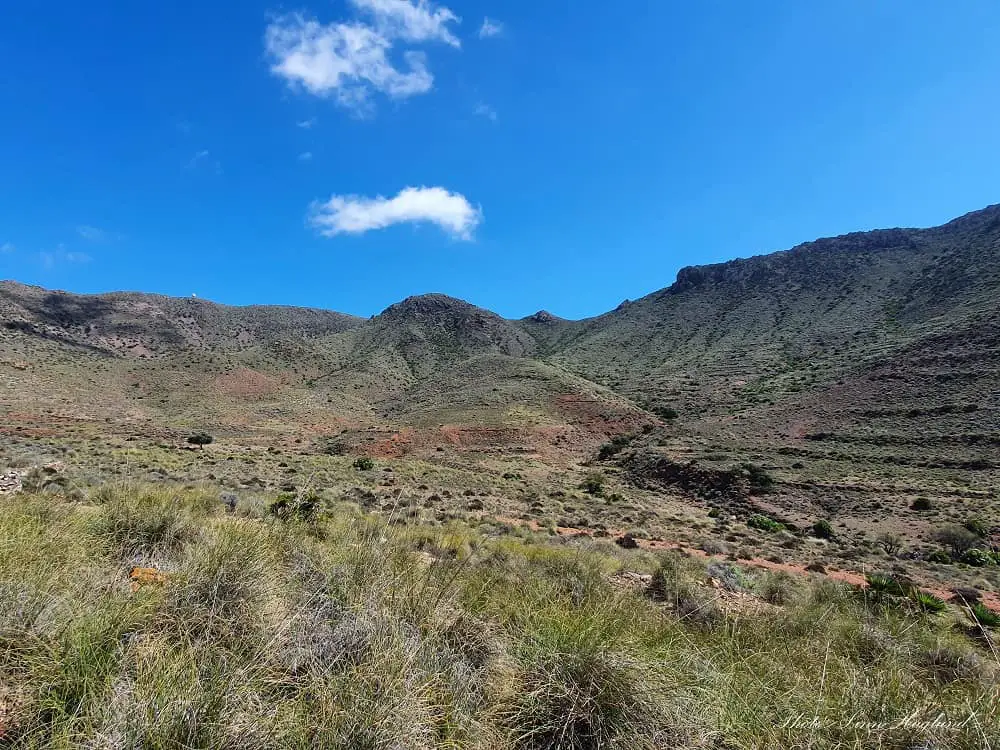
732,334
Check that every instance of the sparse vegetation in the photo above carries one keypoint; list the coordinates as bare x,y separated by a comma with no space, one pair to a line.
350,632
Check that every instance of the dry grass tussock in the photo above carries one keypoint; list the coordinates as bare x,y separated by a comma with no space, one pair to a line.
348,632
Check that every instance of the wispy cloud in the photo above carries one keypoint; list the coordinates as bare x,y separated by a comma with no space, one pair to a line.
51,258
485,110
204,158
490,28
307,124
412,22
356,215
306,156
6,248
350,60
96,234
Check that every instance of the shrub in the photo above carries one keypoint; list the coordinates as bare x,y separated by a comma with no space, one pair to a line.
759,479
939,556
921,503
822,529
977,526
364,463
575,690
136,521
335,448
777,588
667,413
764,523
946,664
977,558
593,483
612,448
959,540
300,507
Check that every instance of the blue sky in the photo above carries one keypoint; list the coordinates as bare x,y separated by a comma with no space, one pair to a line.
563,156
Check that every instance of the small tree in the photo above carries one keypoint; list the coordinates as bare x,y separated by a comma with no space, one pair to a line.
891,543
364,464
201,439
957,539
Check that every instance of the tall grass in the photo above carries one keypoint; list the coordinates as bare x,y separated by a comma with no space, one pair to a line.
352,632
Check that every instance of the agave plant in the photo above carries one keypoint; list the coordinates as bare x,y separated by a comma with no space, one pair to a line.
927,602
882,584
985,616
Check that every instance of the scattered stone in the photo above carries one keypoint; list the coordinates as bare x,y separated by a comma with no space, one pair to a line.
229,499
10,482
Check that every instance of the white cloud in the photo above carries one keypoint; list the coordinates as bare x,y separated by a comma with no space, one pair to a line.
341,60
490,28
306,156
7,247
350,60
412,22
306,124
356,215
485,110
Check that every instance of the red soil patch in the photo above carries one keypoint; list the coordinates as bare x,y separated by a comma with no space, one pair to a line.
396,445
247,383
600,417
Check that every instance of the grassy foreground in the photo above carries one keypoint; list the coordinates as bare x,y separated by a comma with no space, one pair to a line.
353,631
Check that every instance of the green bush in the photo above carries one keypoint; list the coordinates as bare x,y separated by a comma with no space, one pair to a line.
977,558
764,523
364,464
921,503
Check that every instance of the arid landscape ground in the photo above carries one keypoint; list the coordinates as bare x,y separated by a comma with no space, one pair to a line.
824,416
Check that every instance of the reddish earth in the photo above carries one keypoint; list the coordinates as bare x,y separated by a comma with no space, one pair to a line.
600,417
247,383
990,599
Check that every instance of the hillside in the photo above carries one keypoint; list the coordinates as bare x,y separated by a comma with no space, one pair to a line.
852,375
